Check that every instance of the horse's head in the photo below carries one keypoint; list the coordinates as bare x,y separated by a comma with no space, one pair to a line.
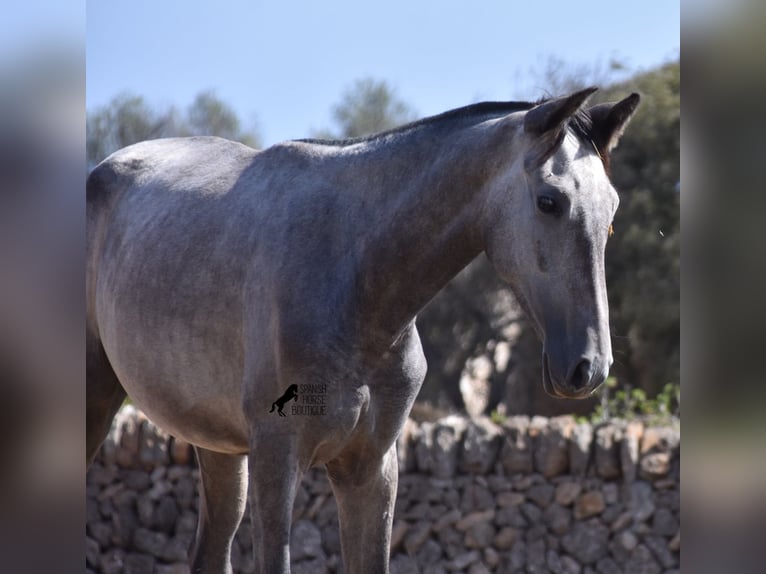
548,219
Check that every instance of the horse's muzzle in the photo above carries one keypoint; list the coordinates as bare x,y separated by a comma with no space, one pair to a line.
582,378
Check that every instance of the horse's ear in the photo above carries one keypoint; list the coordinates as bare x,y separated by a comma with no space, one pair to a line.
551,115
610,121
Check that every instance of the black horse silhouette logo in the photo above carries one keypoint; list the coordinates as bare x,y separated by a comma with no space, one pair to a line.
290,393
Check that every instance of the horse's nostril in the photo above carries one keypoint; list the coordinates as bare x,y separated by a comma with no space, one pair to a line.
581,375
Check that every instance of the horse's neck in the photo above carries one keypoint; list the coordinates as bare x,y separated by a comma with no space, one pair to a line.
426,228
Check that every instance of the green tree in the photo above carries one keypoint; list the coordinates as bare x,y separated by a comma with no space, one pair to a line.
368,106
128,119
209,115
643,257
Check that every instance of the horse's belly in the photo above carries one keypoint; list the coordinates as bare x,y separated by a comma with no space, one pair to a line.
185,377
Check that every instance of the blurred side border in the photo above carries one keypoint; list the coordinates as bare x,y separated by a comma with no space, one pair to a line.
723,205
42,372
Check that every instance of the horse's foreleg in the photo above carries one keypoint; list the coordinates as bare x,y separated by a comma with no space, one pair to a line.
366,511
223,496
274,479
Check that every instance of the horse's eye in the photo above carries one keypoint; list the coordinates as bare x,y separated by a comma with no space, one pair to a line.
547,204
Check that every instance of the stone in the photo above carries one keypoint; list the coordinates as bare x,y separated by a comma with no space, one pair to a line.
535,533
181,452
124,522
312,566
153,446
516,452
417,512
608,566
175,568
477,497
641,561
587,541
176,471
567,492
139,563
551,442
166,515
569,565
479,535
662,553
481,445
557,518
331,539
664,523
177,548
660,439
150,542
398,530
607,452
655,465
589,504
505,538
532,513
511,516
611,493
463,561
92,552
145,511
475,518
305,541
416,536
541,494
185,492
400,564
113,561
328,513
102,475
509,499
129,419
517,557
627,540
553,562
438,446
641,502
675,543
478,568
429,553
580,444
447,519
491,557
405,449
623,520
536,556
101,532
629,450
187,521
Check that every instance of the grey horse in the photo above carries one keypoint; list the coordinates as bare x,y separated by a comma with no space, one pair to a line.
218,276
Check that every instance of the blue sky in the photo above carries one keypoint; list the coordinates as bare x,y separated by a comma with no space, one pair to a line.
283,64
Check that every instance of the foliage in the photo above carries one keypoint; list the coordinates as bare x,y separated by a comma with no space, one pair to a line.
643,256
368,106
631,403
128,119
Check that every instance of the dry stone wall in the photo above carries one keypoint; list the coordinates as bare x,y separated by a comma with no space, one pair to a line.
531,495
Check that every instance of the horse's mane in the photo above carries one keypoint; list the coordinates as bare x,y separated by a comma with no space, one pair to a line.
580,123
